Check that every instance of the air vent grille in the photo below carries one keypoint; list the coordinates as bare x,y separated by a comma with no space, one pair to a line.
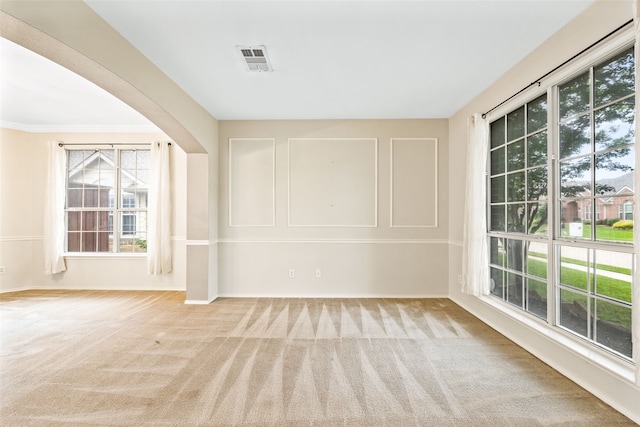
255,58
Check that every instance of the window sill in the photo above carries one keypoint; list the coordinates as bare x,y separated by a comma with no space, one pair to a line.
616,365
104,255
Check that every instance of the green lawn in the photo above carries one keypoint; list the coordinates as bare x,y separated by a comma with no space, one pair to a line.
604,232
607,286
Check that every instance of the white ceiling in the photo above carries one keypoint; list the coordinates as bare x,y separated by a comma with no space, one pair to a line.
331,59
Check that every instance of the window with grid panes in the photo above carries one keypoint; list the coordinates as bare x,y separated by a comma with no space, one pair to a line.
518,207
106,200
592,260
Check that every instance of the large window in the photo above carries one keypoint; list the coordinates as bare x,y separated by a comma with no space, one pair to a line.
518,207
568,259
106,203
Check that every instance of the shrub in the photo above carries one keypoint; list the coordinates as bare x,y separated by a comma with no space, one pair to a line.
612,221
601,222
587,222
141,243
625,224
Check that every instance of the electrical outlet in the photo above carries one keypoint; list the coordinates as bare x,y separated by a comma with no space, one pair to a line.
318,273
1,269
292,273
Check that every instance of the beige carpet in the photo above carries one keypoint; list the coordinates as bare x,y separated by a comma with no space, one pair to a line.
144,358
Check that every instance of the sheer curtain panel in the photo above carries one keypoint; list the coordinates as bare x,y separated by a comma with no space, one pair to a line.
475,270
54,227
159,223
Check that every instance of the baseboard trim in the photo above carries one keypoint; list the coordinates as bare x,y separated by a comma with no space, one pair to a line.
92,289
337,296
198,301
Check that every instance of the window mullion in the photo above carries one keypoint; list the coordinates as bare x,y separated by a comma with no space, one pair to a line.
116,202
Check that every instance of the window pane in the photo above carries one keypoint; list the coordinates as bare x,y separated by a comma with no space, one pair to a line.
615,78
514,289
497,189
515,155
515,187
497,282
515,255
613,326
74,221
537,260
610,227
537,114
74,197
614,171
575,137
613,275
73,242
516,218
573,312
497,218
573,271
142,159
497,133
574,96
497,255
537,184
615,124
142,178
537,297
515,124
128,159
537,149
537,218
572,214
91,197
89,221
75,159
497,161
575,177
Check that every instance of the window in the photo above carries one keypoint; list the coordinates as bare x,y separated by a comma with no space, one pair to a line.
562,259
106,200
518,207
628,210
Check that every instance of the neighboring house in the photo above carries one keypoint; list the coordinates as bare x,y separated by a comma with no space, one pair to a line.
616,201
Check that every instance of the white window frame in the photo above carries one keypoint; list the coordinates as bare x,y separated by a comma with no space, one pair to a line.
115,207
622,366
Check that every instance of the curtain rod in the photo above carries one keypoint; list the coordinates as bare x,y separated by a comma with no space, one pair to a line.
538,80
62,144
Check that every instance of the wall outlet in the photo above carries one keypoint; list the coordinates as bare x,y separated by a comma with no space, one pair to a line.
292,273
318,273
1,269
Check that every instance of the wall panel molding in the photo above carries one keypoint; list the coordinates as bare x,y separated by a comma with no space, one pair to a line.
252,182
414,182
333,182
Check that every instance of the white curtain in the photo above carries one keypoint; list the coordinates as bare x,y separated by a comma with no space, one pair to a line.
159,211
475,270
54,227
635,298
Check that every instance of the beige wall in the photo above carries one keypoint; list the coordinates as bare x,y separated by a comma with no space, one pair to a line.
308,195
598,20
22,184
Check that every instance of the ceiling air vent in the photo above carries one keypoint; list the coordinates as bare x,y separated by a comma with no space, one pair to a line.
255,58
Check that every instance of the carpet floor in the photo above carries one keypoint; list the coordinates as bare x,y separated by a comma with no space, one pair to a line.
98,358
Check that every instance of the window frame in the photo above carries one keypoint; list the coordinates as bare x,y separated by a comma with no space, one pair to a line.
606,357
115,206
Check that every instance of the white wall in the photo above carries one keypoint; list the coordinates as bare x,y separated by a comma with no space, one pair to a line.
614,388
22,185
308,195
